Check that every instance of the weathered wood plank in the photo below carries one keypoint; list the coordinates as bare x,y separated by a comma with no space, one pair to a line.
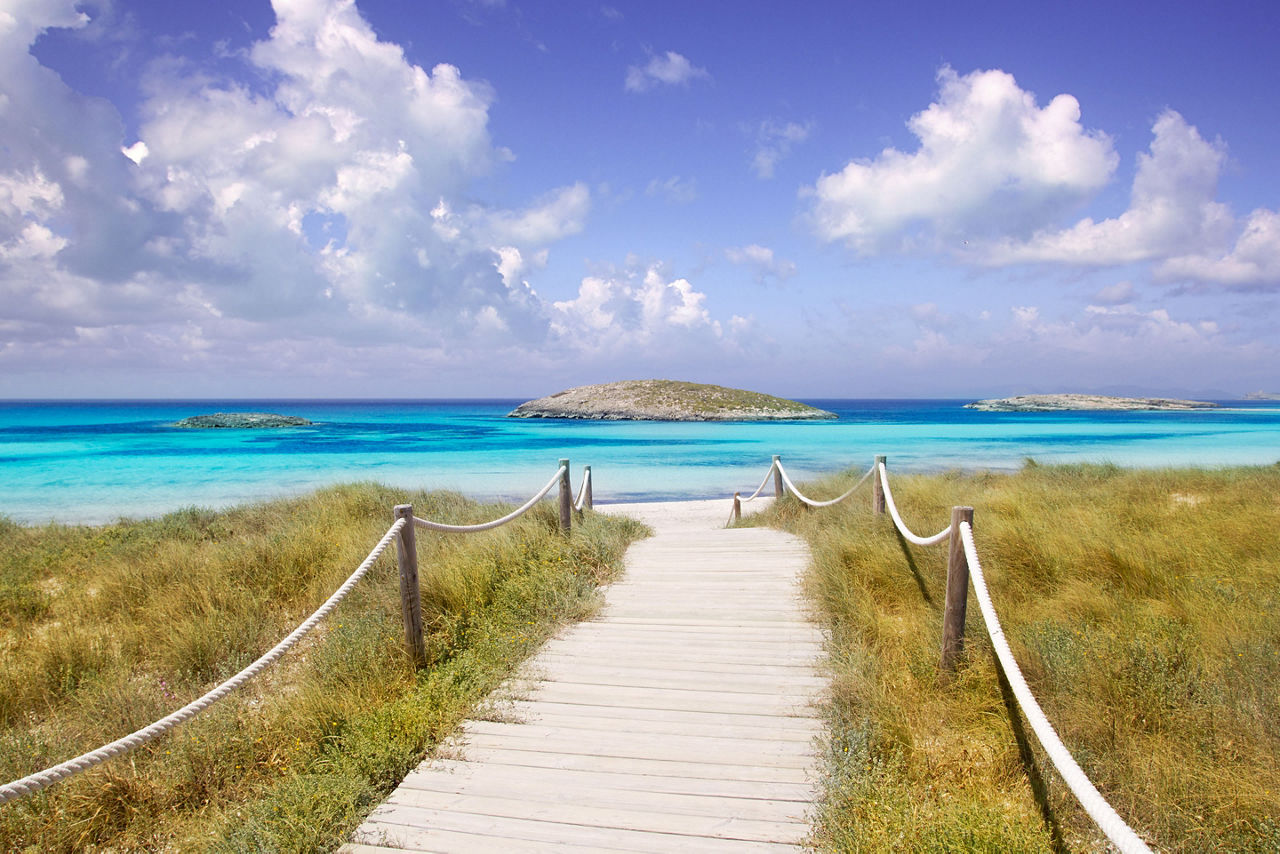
437,769
663,817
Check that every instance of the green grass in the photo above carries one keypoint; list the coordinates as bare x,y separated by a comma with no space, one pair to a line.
1144,609
105,629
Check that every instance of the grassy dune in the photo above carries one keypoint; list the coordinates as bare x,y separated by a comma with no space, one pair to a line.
1144,608
104,629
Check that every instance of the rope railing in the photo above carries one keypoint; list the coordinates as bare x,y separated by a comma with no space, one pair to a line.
401,531
963,565
791,487
35,782
1107,819
583,501
772,468
879,467
782,481
496,523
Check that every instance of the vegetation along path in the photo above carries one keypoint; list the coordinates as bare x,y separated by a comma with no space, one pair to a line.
682,717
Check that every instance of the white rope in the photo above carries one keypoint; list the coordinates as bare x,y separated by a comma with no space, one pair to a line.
485,526
582,490
35,782
791,486
760,488
1120,834
897,520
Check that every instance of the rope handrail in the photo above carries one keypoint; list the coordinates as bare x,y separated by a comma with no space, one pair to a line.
581,500
35,782
1110,822
897,519
486,526
763,483
809,501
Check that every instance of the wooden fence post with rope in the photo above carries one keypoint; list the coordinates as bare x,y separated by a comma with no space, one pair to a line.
957,592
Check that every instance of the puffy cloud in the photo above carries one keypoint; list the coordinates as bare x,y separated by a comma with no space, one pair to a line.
761,259
774,141
988,155
668,69
1171,208
29,195
555,216
614,314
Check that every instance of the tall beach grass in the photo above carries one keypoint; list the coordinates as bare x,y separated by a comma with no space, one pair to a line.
1144,608
105,629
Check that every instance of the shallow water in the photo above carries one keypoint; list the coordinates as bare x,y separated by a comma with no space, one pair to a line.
94,461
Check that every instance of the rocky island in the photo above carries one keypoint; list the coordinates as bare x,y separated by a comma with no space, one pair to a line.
666,400
1261,395
241,420
1065,402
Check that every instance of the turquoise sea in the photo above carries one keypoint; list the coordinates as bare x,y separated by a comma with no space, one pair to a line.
95,461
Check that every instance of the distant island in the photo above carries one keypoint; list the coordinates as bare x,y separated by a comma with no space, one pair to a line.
1063,402
666,400
1261,395
240,420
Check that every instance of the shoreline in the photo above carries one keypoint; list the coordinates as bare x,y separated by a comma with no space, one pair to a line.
612,500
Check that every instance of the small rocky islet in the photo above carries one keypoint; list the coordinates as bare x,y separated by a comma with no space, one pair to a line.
241,421
1085,402
666,400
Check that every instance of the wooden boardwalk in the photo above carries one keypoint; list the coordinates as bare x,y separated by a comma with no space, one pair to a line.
681,718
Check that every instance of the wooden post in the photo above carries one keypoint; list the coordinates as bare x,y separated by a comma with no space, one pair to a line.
586,474
566,499
778,489
957,592
410,596
737,507
877,488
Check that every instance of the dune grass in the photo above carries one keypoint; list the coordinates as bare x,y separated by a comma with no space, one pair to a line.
1144,609
105,629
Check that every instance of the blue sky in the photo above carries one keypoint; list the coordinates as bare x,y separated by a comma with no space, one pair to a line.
500,198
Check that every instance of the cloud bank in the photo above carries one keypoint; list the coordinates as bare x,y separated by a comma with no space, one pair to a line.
318,202
995,174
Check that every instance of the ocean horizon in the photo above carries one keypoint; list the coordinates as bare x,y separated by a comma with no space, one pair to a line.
94,461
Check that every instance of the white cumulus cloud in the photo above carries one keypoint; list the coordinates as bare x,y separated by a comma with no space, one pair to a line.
989,155
614,314
1171,207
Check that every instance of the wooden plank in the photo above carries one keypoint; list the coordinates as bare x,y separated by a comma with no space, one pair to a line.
631,765
779,729
442,841
428,775
422,832
640,677
567,791
688,748
608,715
664,816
